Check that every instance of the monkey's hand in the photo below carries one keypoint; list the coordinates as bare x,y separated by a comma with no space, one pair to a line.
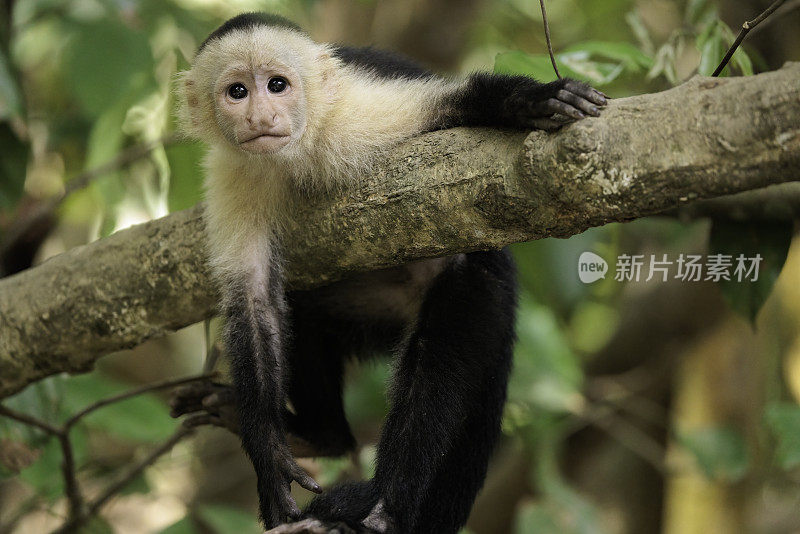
214,404
550,106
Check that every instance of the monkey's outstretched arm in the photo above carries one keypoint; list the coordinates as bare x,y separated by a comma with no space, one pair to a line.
254,338
518,102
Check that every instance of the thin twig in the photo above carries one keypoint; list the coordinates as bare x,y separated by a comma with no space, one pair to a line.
781,11
547,38
79,513
182,432
120,161
71,488
30,421
633,438
746,27
133,393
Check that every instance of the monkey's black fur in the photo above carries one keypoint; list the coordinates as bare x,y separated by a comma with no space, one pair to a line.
382,62
447,396
246,21
453,350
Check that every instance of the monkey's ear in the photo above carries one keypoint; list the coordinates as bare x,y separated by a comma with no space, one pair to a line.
189,112
329,75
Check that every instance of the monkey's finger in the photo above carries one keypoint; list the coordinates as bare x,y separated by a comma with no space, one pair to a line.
195,389
586,91
223,397
578,102
553,105
202,419
188,398
305,481
183,406
292,509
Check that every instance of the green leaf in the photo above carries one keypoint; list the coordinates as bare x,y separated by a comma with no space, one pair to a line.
97,525
138,485
228,520
515,62
711,51
13,167
721,452
592,325
533,517
641,32
627,54
740,58
41,400
769,240
783,419
742,62
694,10
184,526
44,475
10,101
577,62
547,374
186,180
579,65
101,62
143,419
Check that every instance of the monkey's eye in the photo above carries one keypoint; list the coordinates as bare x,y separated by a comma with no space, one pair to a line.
237,91
278,84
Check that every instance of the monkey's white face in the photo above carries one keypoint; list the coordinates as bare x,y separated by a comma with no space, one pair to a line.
260,109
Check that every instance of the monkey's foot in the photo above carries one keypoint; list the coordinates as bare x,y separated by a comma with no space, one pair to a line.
313,526
216,403
274,484
564,101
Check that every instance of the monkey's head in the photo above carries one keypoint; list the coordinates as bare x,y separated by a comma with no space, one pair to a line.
251,84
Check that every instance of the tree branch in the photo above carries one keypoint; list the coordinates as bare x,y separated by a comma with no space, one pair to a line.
438,194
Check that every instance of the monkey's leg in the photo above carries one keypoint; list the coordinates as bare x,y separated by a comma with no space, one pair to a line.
317,353
448,503
447,397
451,381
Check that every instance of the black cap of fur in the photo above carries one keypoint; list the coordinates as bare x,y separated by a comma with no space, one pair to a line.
247,21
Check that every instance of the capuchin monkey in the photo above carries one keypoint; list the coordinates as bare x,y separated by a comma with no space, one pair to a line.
284,116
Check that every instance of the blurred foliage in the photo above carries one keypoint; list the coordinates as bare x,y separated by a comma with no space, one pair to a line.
721,452
769,241
81,80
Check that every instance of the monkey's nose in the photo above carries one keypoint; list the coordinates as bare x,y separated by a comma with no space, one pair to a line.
263,120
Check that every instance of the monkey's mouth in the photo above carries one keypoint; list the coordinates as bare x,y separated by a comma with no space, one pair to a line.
265,142
264,135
